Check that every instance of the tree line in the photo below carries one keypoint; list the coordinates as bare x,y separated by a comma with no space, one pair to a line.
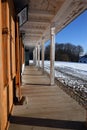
65,52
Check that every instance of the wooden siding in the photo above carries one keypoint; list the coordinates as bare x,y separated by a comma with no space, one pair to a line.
8,60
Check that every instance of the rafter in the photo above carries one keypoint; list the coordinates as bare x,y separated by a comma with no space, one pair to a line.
34,28
33,35
40,21
41,13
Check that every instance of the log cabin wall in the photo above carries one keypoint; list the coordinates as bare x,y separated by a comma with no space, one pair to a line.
1,70
10,65
5,61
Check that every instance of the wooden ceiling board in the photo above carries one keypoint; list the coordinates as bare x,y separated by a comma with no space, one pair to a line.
43,13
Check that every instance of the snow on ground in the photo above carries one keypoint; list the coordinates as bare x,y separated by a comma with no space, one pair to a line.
73,75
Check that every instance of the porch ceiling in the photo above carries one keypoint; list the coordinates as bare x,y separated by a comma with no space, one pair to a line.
42,14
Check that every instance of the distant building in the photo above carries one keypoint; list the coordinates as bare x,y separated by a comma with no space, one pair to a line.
83,59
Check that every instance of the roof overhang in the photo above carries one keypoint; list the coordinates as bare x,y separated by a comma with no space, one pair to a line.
43,13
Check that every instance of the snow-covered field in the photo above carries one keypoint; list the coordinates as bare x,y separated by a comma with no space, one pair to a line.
73,75
78,70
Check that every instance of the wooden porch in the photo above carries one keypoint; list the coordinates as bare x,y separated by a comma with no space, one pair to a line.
46,107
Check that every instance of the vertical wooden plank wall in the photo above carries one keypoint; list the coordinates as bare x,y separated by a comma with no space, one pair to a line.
7,60
11,53
5,40
1,71
11,60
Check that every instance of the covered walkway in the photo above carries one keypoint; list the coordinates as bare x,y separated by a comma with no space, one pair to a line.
26,25
45,107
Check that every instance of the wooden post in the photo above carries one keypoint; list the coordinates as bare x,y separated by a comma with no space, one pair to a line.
33,58
22,57
43,55
18,73
20,52
38,55
52,56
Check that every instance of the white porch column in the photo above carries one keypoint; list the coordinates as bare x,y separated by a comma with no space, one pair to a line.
33,58
52,55
43,55
38,55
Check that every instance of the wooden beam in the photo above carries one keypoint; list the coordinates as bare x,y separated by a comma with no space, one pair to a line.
39,21
18,61
33,35
34,32
29,26
41,13
30,43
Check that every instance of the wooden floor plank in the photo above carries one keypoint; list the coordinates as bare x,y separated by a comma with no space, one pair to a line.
46,107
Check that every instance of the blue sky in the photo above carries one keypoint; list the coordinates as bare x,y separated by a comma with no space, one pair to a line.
75,32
